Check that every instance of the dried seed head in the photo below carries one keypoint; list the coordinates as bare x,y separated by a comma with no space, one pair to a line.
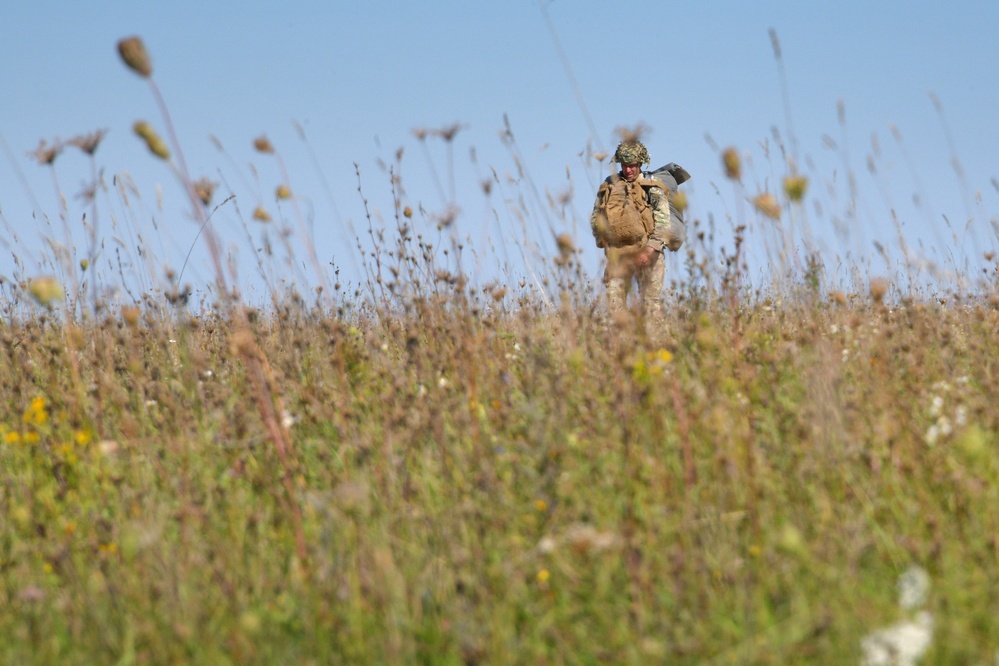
838,297
768,205
158,147
134,53
733,165
88,142
204,188
46,154
448,133
632,133
795,186
153,141
879,286
407,211
143,129
242,343
261,214
679,201
46,290
263,144
283,192
566,246
131,316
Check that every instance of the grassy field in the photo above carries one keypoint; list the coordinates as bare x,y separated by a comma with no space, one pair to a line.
462,485
439,472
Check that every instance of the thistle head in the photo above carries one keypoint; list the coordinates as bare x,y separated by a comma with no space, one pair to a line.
134,53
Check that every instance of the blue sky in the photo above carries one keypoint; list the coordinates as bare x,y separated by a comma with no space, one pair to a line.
338,84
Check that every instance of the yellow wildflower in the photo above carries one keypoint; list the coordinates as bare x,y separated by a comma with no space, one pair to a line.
36,414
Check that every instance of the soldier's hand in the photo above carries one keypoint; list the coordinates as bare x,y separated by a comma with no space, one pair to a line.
644,258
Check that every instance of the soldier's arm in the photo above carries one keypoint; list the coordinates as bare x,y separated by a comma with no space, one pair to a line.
661,216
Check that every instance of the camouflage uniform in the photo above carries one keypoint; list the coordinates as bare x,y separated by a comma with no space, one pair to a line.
621,269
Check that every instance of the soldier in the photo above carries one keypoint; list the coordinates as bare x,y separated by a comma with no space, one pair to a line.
631,222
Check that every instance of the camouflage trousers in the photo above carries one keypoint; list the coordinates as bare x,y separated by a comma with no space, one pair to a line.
621,273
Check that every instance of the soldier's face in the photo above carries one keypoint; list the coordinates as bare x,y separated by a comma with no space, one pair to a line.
630,171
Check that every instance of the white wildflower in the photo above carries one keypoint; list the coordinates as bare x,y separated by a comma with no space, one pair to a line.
941,386
443,382
913,588
901,644
905,642
585,538
945,426
936,405
384,346
288,419
932,435
961,416
421,390
834,329
108,447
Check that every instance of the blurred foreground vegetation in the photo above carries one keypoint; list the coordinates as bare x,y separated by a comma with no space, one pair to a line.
471,483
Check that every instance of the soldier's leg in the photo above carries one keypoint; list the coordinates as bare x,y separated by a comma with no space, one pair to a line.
650,287
617,294
617,279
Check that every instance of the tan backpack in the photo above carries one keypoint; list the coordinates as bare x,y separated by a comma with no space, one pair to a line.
622,215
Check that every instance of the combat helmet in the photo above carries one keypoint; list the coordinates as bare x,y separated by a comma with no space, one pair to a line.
631,152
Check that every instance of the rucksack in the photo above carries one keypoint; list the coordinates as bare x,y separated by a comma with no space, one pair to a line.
623,216
673,175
